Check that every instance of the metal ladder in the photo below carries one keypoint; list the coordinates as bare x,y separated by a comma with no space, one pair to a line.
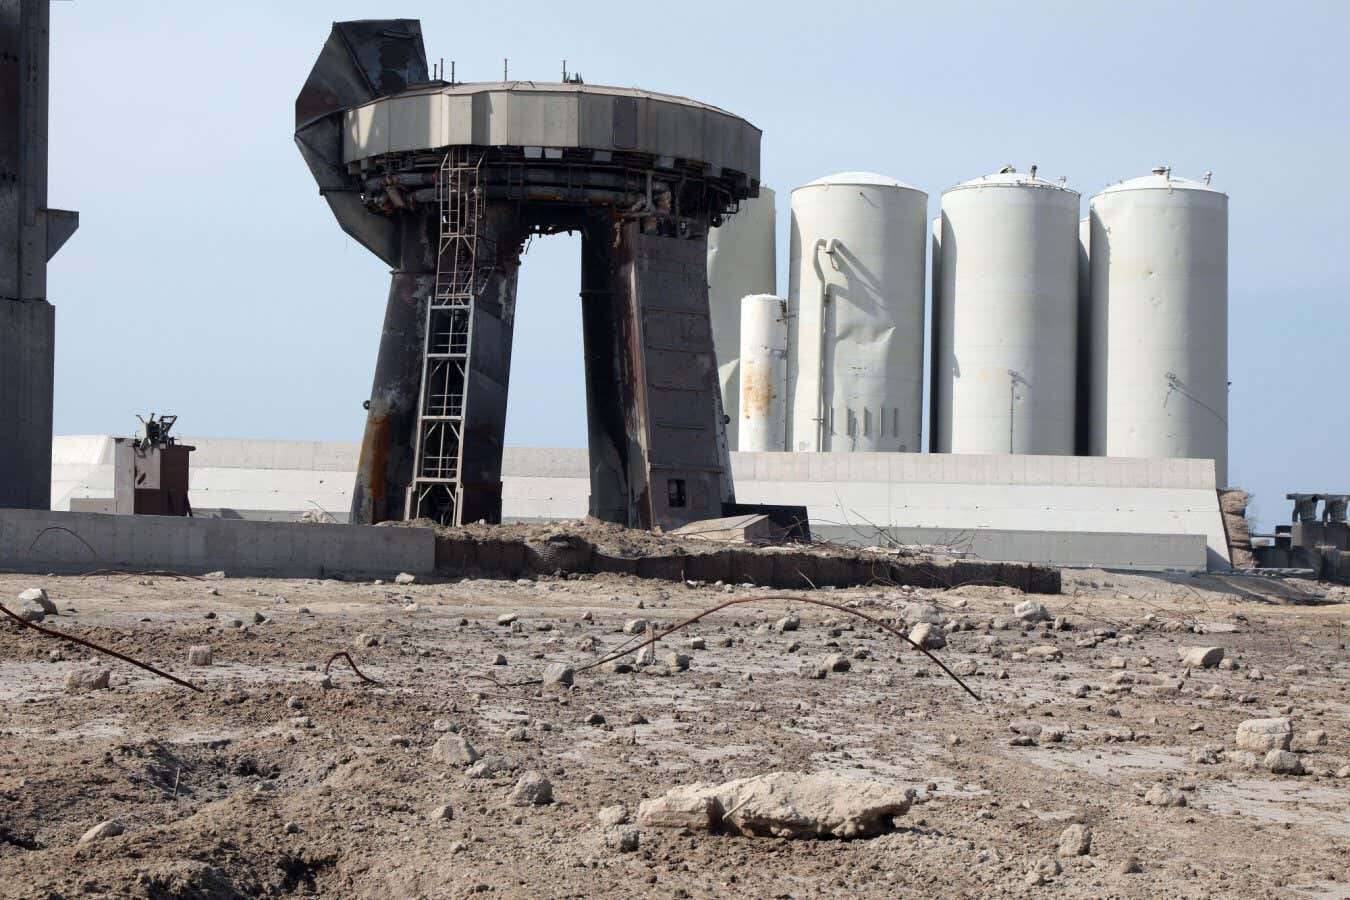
435,492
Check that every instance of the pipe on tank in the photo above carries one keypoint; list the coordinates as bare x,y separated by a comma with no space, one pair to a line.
830,246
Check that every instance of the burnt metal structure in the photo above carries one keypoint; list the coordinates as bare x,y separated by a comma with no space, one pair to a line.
445,182
30,235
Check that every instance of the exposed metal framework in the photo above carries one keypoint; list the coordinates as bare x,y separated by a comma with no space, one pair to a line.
436,490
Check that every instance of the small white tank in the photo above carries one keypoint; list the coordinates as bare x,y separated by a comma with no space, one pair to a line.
856,316
741,261
1160,320
763,375
1007,308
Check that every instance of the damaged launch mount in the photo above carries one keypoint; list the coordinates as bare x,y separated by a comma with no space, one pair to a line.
445,181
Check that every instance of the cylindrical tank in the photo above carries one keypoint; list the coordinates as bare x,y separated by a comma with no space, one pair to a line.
763,376
1160,320
856,317
1008,309
741,261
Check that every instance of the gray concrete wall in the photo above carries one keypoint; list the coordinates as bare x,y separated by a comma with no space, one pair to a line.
1043,496
45,541
27,342
1073,549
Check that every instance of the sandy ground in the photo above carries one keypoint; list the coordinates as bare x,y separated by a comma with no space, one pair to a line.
270,783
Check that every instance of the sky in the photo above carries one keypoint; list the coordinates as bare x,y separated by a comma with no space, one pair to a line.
208,278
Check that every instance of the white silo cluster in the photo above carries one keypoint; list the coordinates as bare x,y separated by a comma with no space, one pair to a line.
1051,333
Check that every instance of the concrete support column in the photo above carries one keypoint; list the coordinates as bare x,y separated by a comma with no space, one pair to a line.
606,432
494,322
385,466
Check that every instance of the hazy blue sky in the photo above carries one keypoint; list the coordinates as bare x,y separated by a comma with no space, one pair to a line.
208,278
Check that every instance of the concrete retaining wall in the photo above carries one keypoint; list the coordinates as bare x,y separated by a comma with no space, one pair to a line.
36,541
1148,552
1024,504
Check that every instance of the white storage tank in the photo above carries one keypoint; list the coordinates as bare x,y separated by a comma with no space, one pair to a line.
741,261
1159,261
856,317
1007,308
763,373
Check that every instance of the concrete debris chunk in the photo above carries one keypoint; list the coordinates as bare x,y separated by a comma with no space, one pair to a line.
1076,840
454,749
31,611
489,767
782,804
916,613
38,596
366,640
677,661
787,623
105,829
836,662
624,840
1282,762
533,789
91,678
1032,611
559,673
635,626
928,636
404,578
1162,795
507,618
1046,652
1263,735
614,815
199,655
1200,657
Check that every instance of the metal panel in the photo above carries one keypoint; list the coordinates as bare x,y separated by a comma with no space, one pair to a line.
526,114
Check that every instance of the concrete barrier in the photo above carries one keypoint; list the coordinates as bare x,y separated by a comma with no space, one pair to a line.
1071,549
44,541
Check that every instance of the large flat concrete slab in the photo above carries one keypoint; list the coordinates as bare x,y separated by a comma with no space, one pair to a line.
70,542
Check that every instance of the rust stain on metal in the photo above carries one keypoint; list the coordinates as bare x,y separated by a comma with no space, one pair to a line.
756,392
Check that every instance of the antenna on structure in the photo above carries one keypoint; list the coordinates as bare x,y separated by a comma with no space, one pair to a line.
564,71
1208,176
1008,169
506,63
1033,171
1063,180
452,71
